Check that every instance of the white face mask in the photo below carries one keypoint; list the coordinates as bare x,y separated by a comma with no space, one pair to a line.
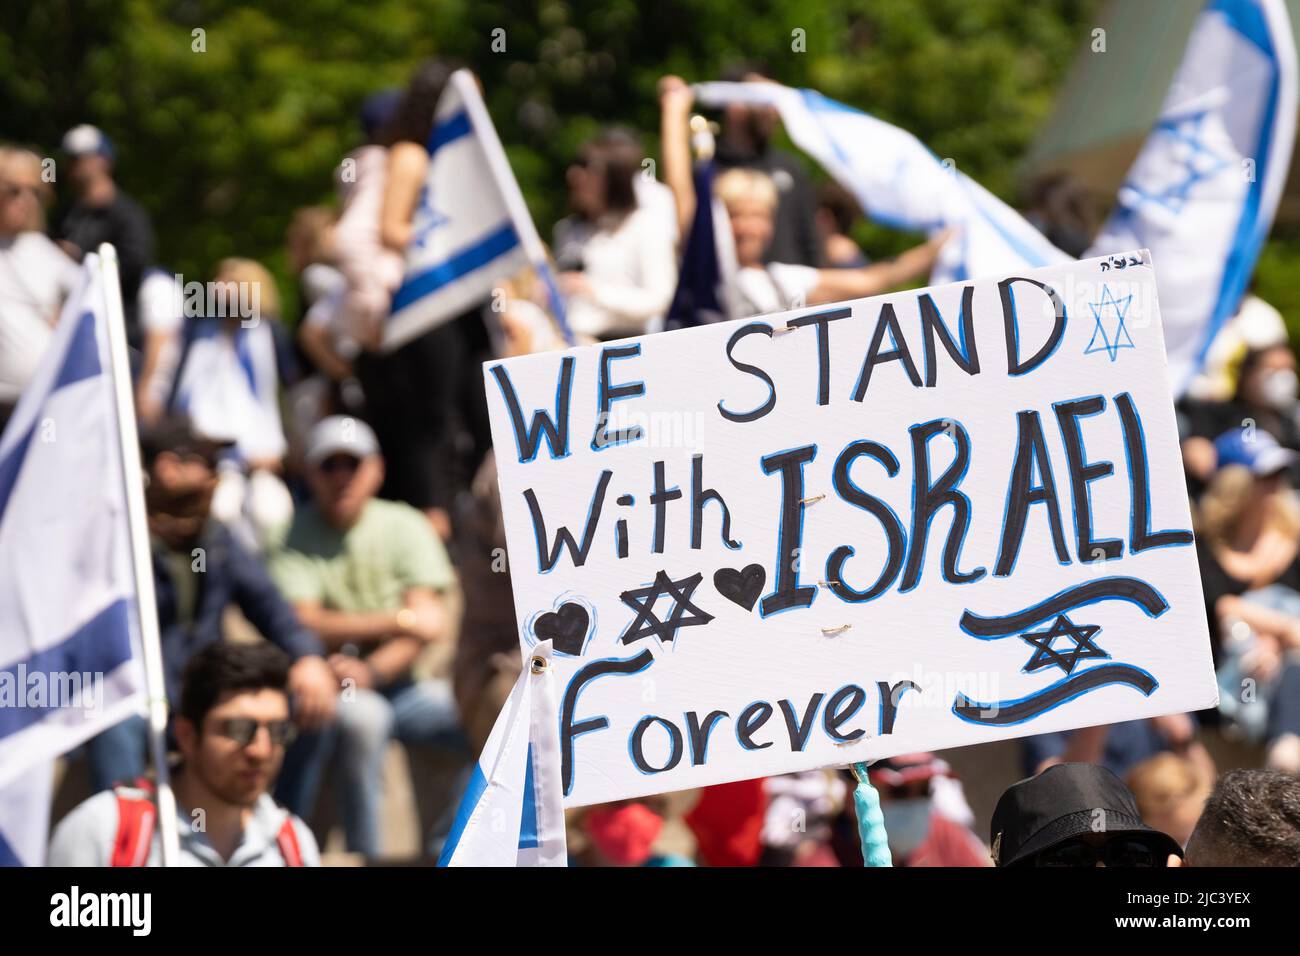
1278,389
907,823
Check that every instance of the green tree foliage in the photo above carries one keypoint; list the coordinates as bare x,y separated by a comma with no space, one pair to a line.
221,134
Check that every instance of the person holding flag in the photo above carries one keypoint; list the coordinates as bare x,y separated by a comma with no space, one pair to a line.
749,285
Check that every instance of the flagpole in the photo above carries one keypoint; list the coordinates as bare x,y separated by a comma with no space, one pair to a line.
141,558
499,169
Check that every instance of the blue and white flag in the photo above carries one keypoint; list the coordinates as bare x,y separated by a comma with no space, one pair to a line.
471,226
70,646
512,813
1202,193
900,183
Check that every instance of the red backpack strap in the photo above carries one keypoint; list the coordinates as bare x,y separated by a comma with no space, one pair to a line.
136,815
287,840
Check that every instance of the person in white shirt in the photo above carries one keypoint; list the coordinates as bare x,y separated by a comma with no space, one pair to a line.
750,198
35,274
617,255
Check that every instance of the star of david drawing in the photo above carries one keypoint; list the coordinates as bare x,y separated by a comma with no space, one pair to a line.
682,614
1110,315
428,219
1045,655
1199,162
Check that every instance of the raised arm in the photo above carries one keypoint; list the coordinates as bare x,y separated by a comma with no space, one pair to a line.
836,285
675,100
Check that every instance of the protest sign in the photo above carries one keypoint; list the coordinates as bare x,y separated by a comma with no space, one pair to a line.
922,520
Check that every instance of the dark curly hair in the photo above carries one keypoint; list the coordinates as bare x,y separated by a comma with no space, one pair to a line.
1251,819
224,666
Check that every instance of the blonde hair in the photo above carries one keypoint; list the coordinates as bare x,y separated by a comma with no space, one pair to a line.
253,273
10,155
737,184
1226,498
1163,782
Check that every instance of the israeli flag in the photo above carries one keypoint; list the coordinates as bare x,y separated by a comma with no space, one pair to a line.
70,645
471,226
1202,193
512,813
900,183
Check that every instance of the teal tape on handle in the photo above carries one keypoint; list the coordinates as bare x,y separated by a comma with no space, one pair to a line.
871,822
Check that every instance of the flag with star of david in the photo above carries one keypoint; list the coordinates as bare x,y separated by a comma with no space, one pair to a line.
1202,193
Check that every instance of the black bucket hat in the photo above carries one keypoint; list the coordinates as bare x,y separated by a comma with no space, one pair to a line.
1064,802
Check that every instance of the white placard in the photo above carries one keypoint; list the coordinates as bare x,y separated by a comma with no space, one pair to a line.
916,521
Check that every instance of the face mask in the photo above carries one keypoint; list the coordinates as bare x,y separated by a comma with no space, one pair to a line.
624,834
907,822
1278,389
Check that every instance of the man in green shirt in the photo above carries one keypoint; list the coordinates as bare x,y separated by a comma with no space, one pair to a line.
370,577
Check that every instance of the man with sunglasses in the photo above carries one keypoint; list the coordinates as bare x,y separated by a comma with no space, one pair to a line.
232,730
1075,815
370,577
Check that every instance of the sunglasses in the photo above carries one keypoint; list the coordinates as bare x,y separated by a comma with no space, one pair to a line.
242,730
1120,853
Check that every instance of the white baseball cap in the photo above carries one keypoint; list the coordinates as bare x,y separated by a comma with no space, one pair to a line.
340,435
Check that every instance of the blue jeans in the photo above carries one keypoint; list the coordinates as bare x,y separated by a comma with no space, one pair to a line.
419,713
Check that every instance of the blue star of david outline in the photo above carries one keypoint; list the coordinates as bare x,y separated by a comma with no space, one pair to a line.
1122,339
1185,129
428,220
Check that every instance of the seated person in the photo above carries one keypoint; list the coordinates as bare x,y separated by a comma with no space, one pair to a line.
200,571
1171,792
370,577
232,729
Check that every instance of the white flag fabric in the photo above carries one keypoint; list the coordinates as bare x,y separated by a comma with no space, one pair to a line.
471,227
899,182
512,813
70,652
1202,193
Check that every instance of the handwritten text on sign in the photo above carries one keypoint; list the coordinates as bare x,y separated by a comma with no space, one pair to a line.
916,521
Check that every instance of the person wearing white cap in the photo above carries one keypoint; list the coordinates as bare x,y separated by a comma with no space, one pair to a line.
102,212
371,578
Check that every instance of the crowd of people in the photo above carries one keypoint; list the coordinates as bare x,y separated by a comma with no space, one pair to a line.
341,499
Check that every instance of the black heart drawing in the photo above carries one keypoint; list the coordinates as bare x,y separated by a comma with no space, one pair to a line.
565,628
741,587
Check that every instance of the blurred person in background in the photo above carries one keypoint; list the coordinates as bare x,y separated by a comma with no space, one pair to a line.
371,578
425,400
797,823
751,200
837,212
102,212
232,727
161,316
200,571
1171,791
1061,209
1264,401
35,275
1251,819
926,815
1248,534
234,360
617,259
746,143
1119,747
624,833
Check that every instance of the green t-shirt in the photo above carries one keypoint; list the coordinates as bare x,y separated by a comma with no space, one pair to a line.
369,567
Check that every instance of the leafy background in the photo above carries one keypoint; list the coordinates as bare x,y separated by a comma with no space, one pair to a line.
221,146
